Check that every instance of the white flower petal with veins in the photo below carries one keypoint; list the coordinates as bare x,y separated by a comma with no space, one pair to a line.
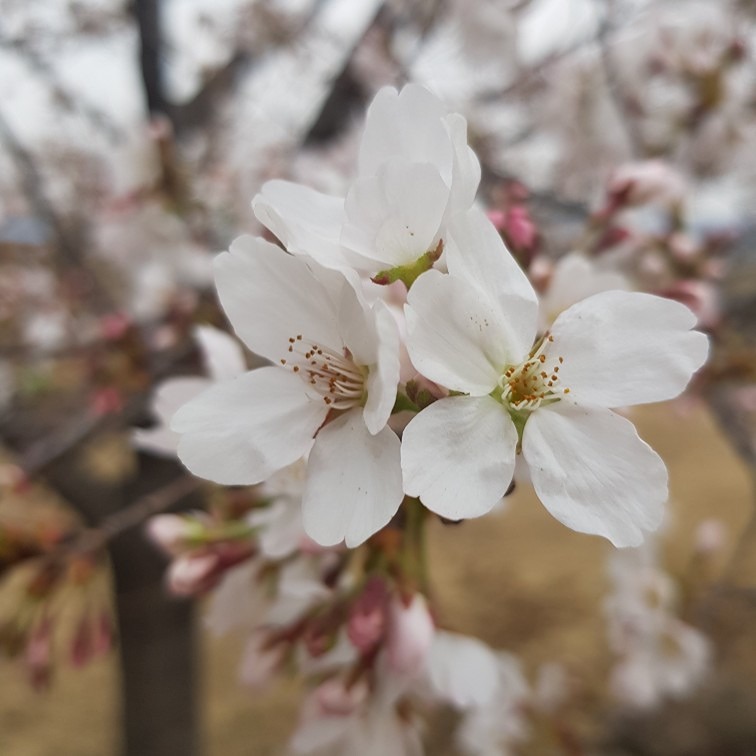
241,431
593,473
354,482
458,456
623,348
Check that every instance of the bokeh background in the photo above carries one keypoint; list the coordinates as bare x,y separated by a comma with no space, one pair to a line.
132,139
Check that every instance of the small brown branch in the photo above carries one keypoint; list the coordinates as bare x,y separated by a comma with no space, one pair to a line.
136,513
68,100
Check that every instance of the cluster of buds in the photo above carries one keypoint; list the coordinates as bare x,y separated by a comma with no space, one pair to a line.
512,219
43,592
201,549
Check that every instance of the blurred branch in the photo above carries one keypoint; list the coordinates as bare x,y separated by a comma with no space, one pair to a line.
67,245
147,16
98,118
614,85
134,514
52,444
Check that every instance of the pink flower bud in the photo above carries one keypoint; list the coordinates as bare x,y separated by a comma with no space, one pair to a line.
106,401
103,634
368,616
192,574
198,572
114,326
410,635
700,296
82,647
170,532
520,230
38,654
649,181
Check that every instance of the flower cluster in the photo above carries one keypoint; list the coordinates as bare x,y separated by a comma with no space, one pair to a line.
502,389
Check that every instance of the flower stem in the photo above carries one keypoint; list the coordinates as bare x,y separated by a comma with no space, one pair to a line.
414,553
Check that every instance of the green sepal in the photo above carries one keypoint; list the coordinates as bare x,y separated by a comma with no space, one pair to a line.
409,273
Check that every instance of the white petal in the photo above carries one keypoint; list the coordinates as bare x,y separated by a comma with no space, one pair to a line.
271,296
463,670
393,217
466,172
169,396
458,456
222,355
476,254
622,348
383,377
239,432
409,125
593,473
454,336
304,220
354,482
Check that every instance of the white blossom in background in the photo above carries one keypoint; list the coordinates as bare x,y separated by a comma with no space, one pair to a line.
334,378
415,171
497,725
473,332
659,655
222,358
155,257
574,278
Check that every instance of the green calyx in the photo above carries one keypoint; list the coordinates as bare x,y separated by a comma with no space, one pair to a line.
409,273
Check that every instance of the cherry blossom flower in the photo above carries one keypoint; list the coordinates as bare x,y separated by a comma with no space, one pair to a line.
473,330
334,379
415,172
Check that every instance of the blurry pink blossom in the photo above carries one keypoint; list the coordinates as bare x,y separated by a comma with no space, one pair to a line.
367,617
649,181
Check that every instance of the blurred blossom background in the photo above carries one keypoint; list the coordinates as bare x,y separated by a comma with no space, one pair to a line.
617,140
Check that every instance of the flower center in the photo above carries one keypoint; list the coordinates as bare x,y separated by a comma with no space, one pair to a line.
334,376
527,385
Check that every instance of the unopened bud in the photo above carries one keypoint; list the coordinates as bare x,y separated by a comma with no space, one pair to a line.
82,647
173,533
192,574
38,654
650,181
368,616
410,634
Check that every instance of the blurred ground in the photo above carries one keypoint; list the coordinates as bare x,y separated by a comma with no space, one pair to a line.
519,580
